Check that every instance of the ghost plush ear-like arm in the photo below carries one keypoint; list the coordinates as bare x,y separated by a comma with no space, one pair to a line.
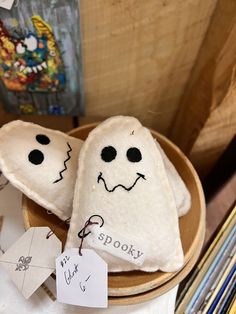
41,163
181,193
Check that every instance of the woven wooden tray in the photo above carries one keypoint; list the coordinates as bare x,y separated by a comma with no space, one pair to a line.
192,226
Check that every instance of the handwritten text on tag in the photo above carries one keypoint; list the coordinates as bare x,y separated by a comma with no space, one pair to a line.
105,239
81,280
6,4
31,260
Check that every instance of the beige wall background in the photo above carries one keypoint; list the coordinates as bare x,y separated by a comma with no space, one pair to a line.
138,55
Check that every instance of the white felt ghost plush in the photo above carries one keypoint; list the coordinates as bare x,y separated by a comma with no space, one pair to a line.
42,163
123,178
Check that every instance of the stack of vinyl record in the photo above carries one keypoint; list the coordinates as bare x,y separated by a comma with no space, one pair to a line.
212,286
136,287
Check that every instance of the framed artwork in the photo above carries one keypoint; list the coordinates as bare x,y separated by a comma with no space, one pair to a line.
40,58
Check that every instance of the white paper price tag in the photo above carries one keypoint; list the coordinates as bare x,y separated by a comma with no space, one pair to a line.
31,260
6,4
82,280
106,240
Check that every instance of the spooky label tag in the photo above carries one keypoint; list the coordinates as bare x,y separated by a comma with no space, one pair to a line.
82,280
115,244
6,4
31,260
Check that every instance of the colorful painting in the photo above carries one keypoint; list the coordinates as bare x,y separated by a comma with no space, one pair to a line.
40,59
33,62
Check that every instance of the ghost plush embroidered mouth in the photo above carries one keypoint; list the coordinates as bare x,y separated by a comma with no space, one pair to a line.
40,162
122,177
100,178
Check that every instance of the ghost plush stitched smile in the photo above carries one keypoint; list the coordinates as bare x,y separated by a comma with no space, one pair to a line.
65,161
139,176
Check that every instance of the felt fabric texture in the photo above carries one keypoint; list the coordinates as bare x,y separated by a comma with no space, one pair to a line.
12,302
41,163
181,193
122,177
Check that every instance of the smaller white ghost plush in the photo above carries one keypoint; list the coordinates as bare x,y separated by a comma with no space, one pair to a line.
122,177
42,163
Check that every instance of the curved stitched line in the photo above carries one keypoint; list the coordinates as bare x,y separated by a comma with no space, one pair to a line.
68,158
127,189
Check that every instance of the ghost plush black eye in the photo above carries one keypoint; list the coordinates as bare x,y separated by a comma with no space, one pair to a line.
108,153
36,157
133,154
42,139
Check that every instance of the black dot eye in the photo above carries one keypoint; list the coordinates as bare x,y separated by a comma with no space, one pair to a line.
42,139
108,153
133,154
36,157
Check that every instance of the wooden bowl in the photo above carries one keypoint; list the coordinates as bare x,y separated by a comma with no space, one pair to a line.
192,225
158,291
